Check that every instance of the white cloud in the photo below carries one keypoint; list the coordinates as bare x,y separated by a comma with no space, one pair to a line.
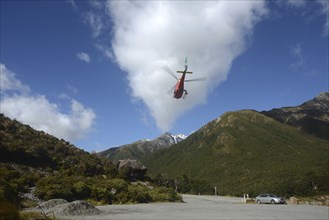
72,89
95,22
325,11
148,35
40,114
297,53
107,51
303,4
84,57
9,82
295,3
73,4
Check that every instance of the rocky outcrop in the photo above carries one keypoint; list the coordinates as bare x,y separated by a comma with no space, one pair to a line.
318,200
132,169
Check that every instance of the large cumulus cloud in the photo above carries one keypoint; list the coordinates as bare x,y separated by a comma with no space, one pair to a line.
149,35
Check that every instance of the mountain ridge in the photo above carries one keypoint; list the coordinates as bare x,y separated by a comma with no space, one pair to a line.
311,116
141,148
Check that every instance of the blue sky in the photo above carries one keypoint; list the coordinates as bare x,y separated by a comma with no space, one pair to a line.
90,71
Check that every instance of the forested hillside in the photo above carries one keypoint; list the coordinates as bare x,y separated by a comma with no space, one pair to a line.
247,152
56,169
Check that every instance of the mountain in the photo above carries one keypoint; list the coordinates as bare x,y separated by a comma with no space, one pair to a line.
311,116
142,148
248,152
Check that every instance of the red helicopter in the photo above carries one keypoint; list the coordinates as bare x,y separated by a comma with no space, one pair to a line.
178,89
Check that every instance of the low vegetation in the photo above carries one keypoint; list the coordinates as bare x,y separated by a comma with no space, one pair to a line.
183,184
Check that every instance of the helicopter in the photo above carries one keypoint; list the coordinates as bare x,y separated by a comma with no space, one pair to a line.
178,90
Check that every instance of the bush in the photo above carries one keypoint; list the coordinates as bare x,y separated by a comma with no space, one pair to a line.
139,194
8,193
183,184
102,195
110,191
162,194
52,187
81,190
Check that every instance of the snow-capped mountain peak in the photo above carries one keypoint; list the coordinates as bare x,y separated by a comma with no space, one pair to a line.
178,137
143,147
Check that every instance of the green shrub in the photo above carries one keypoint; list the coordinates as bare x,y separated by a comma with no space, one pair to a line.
52,187
110,191
162,194
139,194
81,190
8,193
101,194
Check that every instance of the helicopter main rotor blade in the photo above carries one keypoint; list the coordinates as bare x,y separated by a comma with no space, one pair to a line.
196,79
166,68
171,90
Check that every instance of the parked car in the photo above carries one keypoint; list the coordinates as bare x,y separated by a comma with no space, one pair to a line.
269,198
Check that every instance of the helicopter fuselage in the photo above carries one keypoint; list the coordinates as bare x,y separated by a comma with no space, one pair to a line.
179,91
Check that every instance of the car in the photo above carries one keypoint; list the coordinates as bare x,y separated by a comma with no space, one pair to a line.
269,198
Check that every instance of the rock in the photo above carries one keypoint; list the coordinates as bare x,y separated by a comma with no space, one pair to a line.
326,202
52,203
135,164
293,200
76,208
317,202
30,195
135,168
60,207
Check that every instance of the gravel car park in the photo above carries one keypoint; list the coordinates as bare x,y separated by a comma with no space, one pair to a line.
206,207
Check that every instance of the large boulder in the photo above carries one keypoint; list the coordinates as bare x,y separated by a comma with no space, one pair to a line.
76,208
132,169
61,207
52,203
293,200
